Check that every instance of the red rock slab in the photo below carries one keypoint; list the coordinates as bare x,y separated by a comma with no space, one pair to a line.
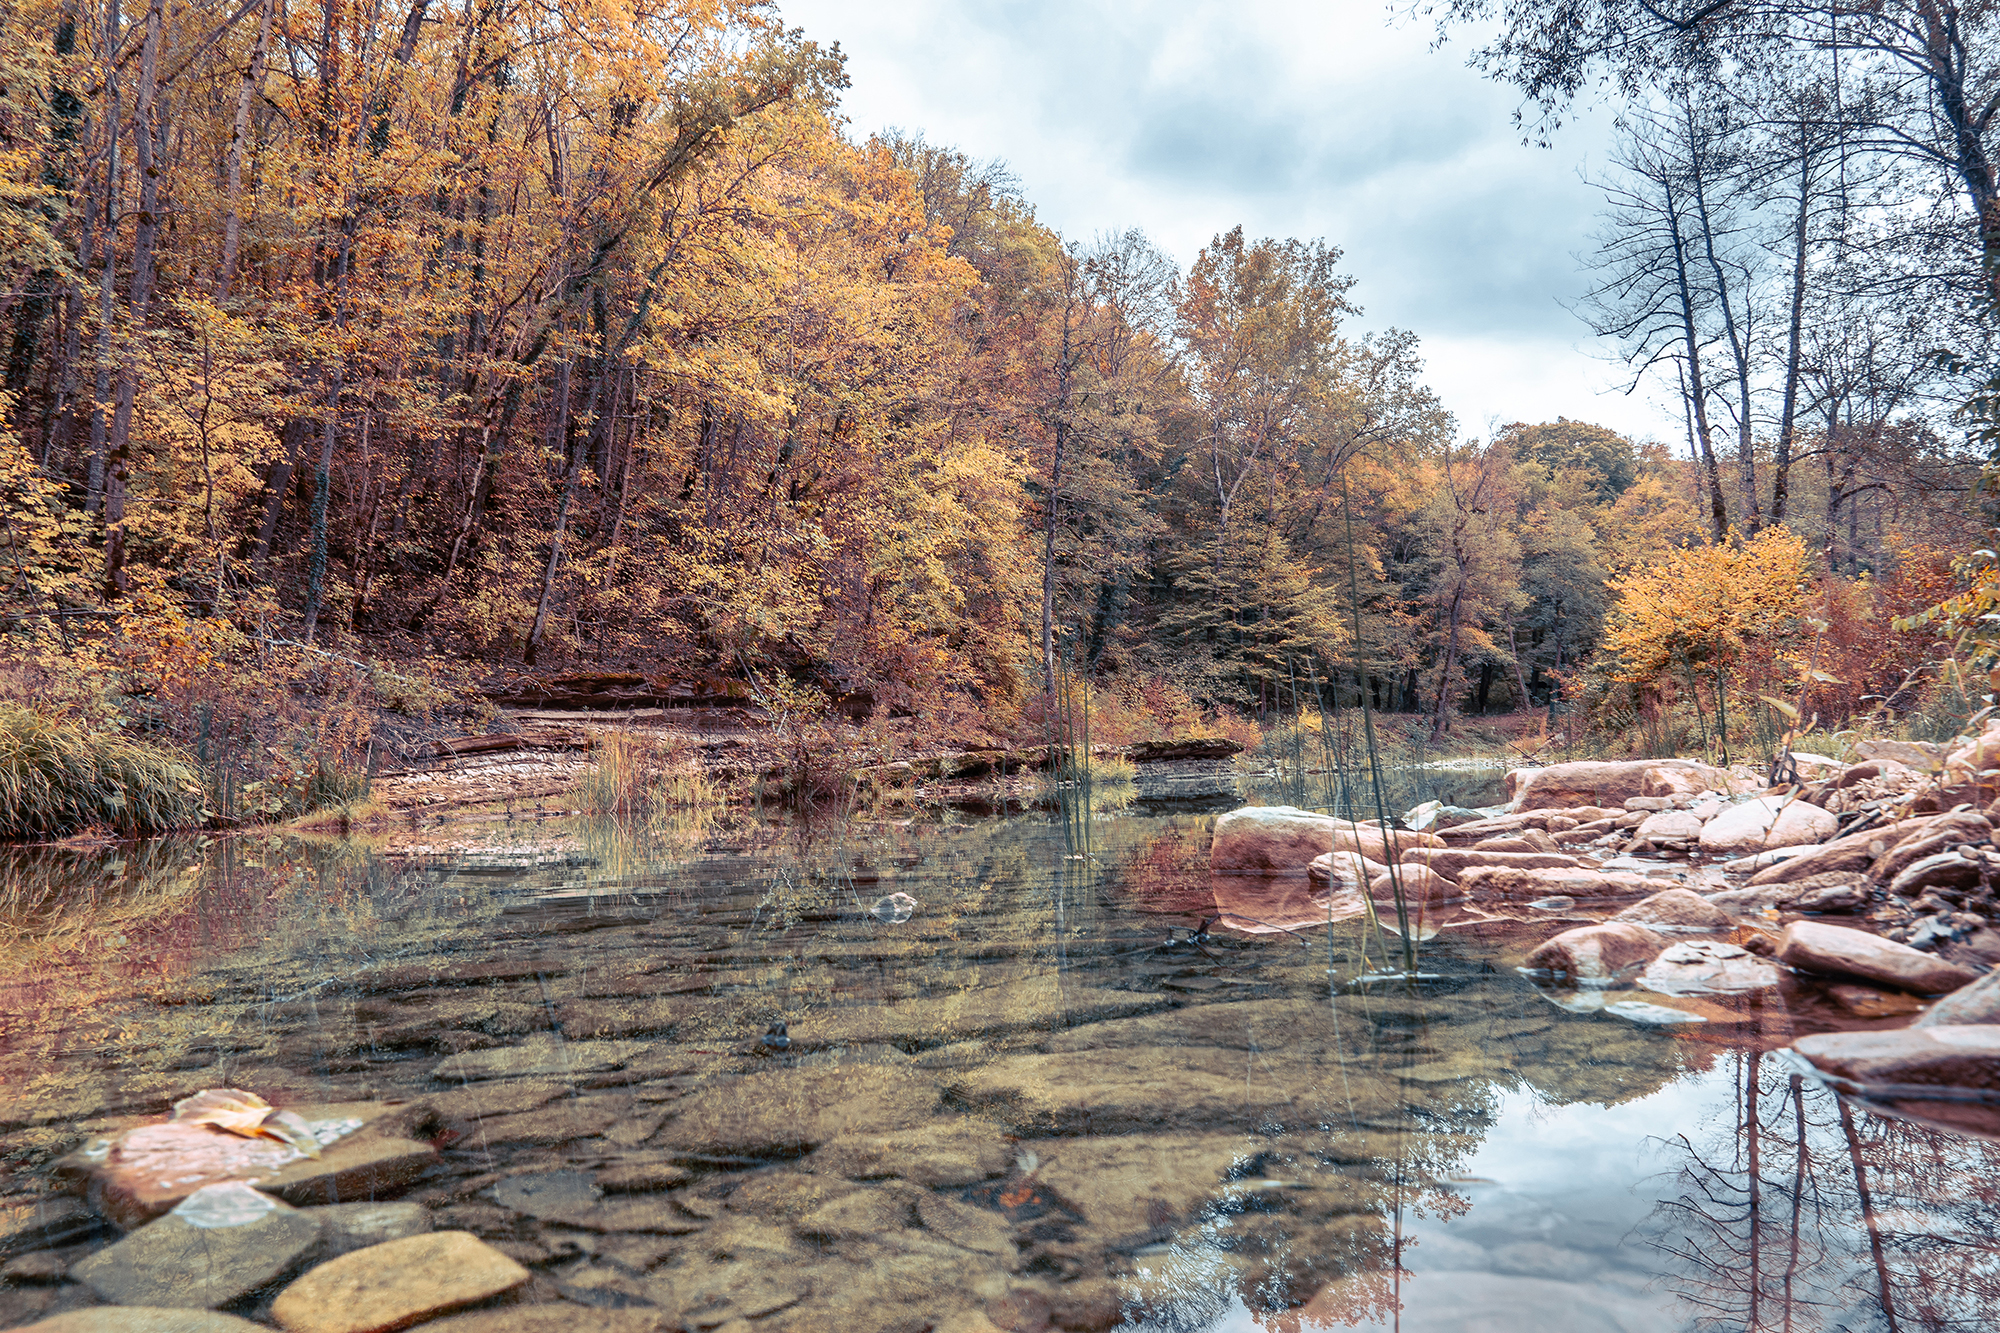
146,1171
1814,946
1600,952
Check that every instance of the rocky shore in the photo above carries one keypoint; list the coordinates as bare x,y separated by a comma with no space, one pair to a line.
1902,858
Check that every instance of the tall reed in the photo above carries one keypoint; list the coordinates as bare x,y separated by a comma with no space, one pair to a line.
633,779
57,779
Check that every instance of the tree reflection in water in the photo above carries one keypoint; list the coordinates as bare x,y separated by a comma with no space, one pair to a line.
1809,1215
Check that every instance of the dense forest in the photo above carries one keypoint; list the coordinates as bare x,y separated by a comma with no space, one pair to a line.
512,339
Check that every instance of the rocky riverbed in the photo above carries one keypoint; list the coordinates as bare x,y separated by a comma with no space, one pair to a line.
1059,1086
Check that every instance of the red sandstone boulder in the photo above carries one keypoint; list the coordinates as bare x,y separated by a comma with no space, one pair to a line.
1598,953
1600,783
1814,946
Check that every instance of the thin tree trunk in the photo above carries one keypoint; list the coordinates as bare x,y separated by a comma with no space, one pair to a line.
1695,391
572,473
1781,464
246,91
148,133
106,315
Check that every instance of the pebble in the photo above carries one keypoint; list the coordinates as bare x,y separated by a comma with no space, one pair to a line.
396,1284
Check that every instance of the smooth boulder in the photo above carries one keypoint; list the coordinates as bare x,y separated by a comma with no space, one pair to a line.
1598,953
1814,946
1453,862
1269,840
1765,822
1609,783
1708,967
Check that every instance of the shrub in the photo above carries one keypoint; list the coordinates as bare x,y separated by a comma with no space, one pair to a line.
57,779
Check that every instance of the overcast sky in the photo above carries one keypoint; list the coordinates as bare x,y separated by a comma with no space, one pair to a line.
1186,117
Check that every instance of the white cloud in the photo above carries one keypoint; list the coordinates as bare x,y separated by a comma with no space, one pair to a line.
1187,117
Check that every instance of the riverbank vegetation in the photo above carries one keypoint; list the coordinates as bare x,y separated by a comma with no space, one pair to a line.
368,367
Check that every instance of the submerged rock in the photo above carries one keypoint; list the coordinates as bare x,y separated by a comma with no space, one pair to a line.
1676,910
143,1319
1453,862
1517,885
1598,953
394,1285
222,1243
1813,946
1898,1065
1708,967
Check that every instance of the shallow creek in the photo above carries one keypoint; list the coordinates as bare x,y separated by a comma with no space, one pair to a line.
1043,1100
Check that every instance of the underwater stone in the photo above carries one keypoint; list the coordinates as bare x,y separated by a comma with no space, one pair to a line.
396,1284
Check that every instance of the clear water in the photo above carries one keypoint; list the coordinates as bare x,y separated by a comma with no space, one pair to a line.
1035,1099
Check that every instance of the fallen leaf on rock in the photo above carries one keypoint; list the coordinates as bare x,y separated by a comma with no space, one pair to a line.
248,1115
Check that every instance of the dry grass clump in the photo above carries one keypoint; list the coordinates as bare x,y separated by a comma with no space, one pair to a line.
636,779
56,779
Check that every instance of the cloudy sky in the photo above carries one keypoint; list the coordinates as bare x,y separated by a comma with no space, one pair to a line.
1334,120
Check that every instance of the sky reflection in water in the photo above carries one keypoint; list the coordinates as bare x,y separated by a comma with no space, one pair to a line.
1543,1170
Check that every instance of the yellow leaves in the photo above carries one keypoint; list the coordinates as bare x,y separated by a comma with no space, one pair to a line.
1719,605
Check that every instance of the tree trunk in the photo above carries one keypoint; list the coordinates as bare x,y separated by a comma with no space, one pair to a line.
148,134
246,90
1781,464
106,316
1695,391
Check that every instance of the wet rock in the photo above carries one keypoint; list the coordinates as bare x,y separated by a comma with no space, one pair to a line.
960,1151
1269,840
1813,946
1598,953
1708,967
556,1318
220,1244
1941,870
495,1098
345,1227
1766,821
1527,840
396,1284
894,908
969,1228
1612,783
574,1199
1851,852
1506,883
1870,768
1669,827
563,1121
1832,892
1676,910
1452,862
1132,1188
864,1214
1957,1056
45,1223
1976,1004
1938,834
540,1056
990,1010
642,1177
143,1319
39,1266
1751,901
1868,1002
1134,1089
712,1294
1422,887
787,1112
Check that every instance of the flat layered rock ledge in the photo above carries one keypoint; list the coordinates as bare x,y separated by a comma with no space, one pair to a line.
1872,880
